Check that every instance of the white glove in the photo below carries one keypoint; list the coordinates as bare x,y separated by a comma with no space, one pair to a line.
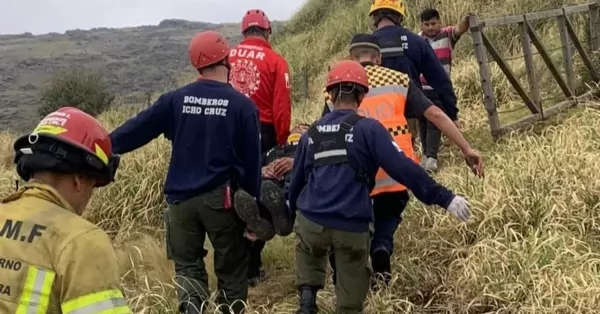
459,207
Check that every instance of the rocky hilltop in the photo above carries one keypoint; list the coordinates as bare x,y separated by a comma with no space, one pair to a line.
134,60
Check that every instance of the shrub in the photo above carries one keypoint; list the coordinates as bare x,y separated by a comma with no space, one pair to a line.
77,87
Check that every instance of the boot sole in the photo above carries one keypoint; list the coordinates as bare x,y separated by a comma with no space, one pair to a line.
247,210
273,199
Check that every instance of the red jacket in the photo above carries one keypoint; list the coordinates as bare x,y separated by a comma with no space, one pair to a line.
263,75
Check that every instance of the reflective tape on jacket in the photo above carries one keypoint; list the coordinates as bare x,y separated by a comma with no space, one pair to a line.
392,52
385,182
35,295
331,153
109,301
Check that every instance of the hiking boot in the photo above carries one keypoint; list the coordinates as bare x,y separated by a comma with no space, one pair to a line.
271,196
430,164
308,300
192,306
382,269
247,209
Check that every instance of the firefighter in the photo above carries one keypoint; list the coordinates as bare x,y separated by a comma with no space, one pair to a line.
392,98
54,261
214,131
406,52
333,175
260,73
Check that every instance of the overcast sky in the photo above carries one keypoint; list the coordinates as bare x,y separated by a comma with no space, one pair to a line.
44,16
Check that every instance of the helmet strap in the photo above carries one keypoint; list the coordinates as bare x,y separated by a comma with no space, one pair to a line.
356,91
227,65
396,19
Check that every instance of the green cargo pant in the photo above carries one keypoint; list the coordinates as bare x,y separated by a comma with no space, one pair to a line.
352,259
188,223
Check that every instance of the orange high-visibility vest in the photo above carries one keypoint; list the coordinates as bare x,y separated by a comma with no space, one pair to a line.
386,101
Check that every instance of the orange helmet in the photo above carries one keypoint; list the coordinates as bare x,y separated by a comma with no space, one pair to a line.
207,48
255,18
67,141
348,71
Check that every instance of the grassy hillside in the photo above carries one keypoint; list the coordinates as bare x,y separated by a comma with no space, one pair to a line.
531,246
133,61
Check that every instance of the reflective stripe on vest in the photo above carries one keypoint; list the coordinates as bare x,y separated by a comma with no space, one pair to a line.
329,142
108,301
35,296
331,153
393,46
392,52
386,102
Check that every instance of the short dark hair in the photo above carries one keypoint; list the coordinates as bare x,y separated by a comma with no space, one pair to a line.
429,14
346,93
213,66
256,31
389,14
362,51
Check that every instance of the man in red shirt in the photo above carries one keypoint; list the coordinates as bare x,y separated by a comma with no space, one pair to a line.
263,75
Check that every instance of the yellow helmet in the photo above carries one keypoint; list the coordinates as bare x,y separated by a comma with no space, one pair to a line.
394,5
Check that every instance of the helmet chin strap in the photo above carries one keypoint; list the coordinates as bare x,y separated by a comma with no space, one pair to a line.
227,65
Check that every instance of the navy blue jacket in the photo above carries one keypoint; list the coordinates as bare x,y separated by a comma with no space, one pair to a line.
419,58
214,131
333,197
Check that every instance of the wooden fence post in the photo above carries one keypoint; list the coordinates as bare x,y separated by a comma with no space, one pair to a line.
594,31
530,66
566,50
485,77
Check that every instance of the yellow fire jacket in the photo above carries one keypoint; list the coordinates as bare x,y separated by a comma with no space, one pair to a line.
52,260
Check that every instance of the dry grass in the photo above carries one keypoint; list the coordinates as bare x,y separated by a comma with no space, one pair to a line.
531,247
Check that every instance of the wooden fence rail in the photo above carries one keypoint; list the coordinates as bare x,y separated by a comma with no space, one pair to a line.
532,97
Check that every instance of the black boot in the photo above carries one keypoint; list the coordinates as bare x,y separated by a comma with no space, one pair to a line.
382,268
271,196
308,300
192,307
249,212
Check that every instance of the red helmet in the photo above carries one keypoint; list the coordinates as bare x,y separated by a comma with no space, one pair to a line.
207,48
67,141
255,18
348,71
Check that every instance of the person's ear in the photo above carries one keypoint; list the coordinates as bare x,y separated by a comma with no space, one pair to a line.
83,183
330,93
78,183
360,98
